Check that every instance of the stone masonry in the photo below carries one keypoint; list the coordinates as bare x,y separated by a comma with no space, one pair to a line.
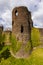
21,24
41,35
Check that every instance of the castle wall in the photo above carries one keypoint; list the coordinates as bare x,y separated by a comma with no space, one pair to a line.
41,35
21,24
7,37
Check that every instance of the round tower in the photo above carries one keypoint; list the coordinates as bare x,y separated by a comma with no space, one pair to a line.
21,23
21,26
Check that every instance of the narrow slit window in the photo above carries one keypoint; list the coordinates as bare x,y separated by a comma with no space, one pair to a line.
21,28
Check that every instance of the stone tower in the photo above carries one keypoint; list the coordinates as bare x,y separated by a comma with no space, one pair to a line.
21,24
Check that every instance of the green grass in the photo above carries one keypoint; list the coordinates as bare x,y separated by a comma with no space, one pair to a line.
15,45
3,49
35,37
35,59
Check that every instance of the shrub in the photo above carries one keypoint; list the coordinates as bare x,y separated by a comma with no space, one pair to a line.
15,45
35,59
35,37
4,52
2,38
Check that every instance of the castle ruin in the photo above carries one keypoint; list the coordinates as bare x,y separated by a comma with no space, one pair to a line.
21,27
21,24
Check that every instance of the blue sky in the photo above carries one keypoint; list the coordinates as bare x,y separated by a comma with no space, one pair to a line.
35,6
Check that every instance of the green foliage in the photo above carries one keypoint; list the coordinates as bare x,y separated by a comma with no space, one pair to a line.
3,49
14,61
4,52
35,59
2,38
16,45
28,46
35,37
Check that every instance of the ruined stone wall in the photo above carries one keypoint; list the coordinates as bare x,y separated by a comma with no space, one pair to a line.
21,24
7,37
41,35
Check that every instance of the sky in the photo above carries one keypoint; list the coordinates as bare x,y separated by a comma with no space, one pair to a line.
35,6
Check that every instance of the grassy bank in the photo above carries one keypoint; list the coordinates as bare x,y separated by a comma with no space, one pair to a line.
35,59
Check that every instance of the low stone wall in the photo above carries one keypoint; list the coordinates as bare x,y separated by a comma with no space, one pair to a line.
41,35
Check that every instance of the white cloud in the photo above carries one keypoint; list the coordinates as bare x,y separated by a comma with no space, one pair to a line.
38,15
5,13
35,6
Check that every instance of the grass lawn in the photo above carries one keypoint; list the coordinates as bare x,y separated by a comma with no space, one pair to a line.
36,58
